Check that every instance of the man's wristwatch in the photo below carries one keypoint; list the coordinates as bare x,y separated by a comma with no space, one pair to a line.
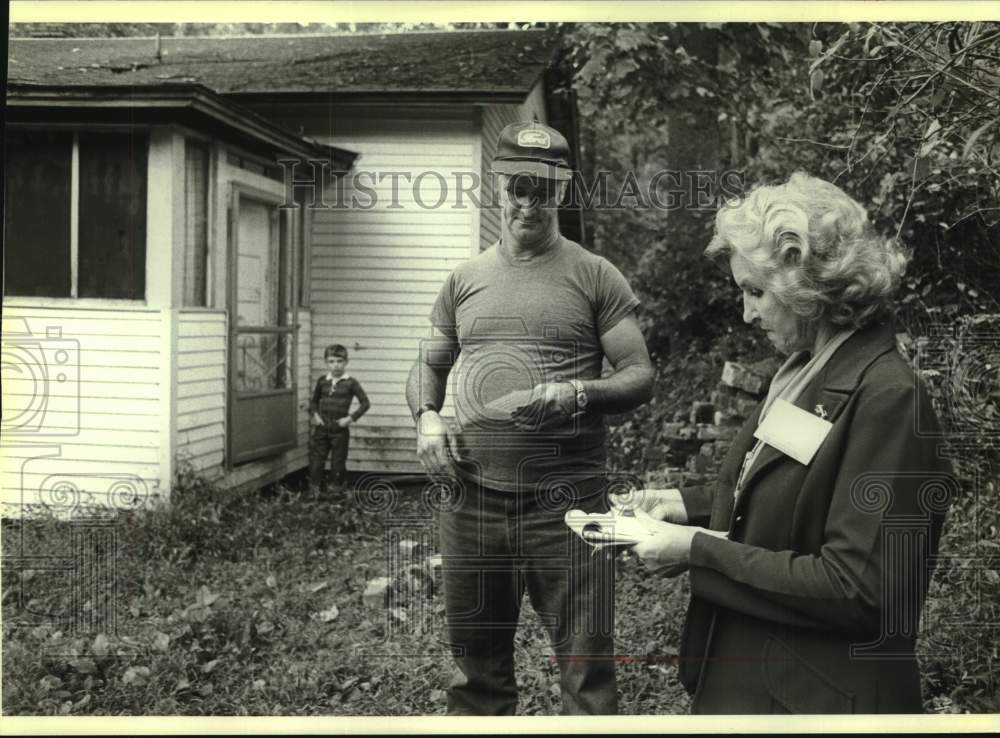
423,409
581,395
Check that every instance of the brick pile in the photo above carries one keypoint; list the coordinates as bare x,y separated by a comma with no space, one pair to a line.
690,447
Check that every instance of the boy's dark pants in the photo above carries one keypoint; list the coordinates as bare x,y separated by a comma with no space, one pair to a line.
496,546
328,440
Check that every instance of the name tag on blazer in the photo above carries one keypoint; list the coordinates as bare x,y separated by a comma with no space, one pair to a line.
793,431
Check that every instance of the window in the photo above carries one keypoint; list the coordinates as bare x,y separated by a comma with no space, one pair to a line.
196,173
112,224
76,214
37,222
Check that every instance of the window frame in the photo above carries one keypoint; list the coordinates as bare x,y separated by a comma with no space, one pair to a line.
211,194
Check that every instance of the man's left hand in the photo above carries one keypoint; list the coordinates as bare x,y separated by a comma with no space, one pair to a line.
345,421
550,406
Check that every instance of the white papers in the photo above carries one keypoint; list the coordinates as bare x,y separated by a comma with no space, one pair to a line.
608,529
793,431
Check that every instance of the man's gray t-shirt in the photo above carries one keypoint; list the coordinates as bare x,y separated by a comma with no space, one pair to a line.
520,324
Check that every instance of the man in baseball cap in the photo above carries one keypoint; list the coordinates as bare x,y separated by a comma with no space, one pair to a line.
526,325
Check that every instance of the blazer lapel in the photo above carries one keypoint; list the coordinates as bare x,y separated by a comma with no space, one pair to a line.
826,396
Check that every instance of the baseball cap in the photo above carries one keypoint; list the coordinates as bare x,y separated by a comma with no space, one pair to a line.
532,148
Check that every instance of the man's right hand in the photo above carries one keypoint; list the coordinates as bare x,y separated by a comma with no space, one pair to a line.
661,504
437,444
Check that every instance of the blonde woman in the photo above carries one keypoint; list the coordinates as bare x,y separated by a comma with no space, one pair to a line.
810,559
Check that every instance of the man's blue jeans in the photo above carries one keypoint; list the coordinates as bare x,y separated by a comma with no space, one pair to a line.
496,545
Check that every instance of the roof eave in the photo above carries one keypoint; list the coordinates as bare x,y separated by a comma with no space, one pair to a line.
388,97
192,97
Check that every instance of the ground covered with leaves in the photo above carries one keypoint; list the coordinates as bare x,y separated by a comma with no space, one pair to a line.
254,604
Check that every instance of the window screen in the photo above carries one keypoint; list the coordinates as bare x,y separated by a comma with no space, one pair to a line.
37,213
113,215
196,170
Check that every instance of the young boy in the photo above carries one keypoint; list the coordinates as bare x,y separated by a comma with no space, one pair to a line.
330,418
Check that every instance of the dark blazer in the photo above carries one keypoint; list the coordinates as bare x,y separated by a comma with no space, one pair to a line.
812,604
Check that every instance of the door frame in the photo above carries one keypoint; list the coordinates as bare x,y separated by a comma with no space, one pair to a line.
287,319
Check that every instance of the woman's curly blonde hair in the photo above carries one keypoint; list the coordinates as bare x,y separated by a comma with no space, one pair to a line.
815,248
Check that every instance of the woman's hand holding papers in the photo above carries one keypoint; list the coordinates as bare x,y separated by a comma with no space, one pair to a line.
668,549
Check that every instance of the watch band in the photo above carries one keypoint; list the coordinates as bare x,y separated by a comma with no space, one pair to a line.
581,394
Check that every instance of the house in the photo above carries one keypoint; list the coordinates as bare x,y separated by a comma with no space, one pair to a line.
190,221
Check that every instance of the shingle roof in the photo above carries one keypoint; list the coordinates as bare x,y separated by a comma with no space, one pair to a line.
490,62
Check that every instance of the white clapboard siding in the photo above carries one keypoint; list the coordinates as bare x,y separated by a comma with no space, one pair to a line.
200,349
92,413
376,272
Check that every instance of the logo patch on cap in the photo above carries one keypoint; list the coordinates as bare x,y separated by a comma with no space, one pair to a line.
535,138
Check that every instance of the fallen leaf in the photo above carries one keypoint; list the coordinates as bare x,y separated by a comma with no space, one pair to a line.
205,596
82,702
50,682
209,667
161,642
328,616
40,632
100,645
319,587
136,675
271,581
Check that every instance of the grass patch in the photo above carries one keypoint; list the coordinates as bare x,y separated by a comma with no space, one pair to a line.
253,604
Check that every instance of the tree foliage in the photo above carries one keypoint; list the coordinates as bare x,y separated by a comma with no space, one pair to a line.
905,117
